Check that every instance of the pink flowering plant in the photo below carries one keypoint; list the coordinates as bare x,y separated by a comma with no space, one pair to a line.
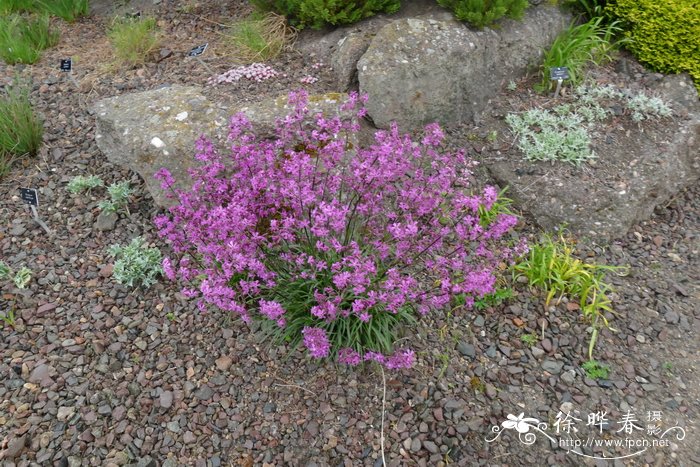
333,246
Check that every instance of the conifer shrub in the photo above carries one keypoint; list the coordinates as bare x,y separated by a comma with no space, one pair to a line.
664,34
480,13
332,246
319,13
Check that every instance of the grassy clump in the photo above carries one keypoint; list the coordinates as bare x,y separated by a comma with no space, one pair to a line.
664,34
552,266
136,264
578,46
22,38
258,38
318,13
16,6
482,13
68,10
133,40
21,130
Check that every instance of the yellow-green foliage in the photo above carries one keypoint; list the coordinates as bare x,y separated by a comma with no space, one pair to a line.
665,33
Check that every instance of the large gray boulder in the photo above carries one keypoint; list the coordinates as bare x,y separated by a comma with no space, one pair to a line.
344,59
638,167
417,71
149,130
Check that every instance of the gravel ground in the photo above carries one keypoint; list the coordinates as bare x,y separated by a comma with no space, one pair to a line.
97,374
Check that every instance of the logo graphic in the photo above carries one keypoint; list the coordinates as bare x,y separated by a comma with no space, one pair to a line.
564,433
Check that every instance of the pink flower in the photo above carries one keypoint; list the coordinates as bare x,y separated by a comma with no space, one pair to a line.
340,232
168,269
350,357
255,72
316,341
272,310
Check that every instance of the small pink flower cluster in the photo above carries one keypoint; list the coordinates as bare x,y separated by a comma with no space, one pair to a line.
317,236
255,72
308,80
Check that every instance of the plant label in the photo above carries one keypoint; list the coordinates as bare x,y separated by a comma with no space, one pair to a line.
66,65
199,50
136,15
29,196
558,73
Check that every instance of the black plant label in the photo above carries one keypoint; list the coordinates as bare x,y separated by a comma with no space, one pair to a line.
199,50
66,65
29,196
558,73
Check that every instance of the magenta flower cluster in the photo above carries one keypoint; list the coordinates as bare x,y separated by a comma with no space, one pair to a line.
255,72
309,229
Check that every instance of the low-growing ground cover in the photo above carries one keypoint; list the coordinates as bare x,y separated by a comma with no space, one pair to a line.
96,372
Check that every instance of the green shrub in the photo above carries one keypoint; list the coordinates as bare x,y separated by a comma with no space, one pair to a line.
664,34
136,264
133,40
590,42
69,10
318,13
23,38
21,129
482,13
